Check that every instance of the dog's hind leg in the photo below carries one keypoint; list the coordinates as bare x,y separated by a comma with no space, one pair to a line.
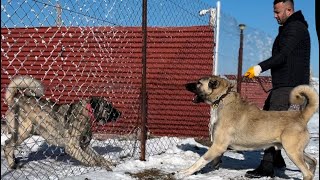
20,132
294,148
311,161
298,159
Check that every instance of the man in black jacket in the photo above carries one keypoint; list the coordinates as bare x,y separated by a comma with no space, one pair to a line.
290,67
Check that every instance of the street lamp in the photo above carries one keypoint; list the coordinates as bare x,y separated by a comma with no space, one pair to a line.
239,79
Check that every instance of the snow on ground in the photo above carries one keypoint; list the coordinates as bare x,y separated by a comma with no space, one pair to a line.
181,153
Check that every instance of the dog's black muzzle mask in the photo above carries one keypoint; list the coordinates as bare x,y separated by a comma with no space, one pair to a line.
192,87
104,111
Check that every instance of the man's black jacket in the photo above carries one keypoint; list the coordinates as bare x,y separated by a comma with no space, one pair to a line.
290,61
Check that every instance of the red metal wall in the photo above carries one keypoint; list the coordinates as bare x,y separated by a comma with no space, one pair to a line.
175,57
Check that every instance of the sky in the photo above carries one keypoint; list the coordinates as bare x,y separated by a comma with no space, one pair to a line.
259,15
261,27
43,162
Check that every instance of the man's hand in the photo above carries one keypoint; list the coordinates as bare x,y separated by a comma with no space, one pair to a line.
253,71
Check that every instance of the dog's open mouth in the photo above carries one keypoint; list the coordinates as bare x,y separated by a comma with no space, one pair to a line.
192,87
197,99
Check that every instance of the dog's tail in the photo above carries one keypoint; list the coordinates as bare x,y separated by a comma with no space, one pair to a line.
305,95
28,85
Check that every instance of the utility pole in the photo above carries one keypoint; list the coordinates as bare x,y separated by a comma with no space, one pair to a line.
239,79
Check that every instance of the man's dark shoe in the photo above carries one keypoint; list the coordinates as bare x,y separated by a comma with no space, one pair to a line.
278,160
265,169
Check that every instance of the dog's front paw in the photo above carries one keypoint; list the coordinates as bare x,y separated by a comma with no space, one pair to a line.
179,175
106,164
182,174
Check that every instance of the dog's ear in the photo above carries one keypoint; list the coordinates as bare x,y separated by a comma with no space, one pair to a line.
213,84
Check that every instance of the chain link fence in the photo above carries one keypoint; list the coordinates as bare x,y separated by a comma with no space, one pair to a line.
79,51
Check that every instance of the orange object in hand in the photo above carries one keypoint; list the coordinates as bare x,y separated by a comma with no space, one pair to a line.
253,71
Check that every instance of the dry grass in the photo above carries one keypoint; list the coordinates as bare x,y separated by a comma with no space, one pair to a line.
152,174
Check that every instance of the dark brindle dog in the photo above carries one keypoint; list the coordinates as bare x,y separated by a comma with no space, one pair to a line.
66,125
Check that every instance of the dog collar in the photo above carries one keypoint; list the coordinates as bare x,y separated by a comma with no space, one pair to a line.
92,118
216,103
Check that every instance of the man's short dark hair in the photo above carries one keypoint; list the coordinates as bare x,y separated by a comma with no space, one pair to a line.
283,1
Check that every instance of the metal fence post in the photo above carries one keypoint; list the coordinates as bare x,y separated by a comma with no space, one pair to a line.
144,79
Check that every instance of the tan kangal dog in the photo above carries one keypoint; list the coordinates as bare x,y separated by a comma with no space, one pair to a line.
242,126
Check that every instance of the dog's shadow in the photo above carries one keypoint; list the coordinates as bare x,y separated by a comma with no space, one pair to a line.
47,151
237,160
